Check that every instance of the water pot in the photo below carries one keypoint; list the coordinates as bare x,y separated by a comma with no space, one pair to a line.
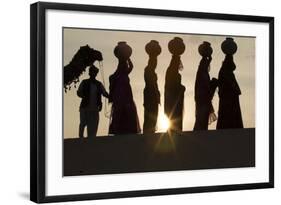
122,50
153,48
228,46
176,46
205,49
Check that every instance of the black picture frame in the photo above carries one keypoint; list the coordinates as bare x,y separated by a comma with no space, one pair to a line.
38,100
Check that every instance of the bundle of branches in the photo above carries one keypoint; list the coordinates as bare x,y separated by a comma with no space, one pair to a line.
83,58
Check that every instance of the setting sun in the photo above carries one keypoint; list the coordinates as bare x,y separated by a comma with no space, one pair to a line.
163,122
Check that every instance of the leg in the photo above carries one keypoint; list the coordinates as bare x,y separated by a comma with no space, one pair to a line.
154,118
178,113
83,122
146,122
96,123
150,119
93,121
177,119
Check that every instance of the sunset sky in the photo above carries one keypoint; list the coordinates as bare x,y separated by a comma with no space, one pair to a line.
106,40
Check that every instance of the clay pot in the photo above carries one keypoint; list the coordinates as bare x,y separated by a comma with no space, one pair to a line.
205,49
176,46
123,50
153,48
228,46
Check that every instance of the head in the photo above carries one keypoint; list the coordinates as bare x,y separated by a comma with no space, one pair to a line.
123,59
93,71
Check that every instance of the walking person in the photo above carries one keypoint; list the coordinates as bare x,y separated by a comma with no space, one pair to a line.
229,115
151,94
174,90
204,89
90,90
124,117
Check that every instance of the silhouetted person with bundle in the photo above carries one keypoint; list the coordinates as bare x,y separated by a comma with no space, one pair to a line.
229,115
90,90
83,58
124,117
204,89
151,94
174,90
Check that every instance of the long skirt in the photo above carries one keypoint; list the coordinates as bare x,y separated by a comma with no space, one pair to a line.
229,115
202,117
124,119
150,119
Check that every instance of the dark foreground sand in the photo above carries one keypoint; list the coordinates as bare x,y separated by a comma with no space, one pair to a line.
160,152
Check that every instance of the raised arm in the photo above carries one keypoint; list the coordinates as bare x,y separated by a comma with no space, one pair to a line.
130,65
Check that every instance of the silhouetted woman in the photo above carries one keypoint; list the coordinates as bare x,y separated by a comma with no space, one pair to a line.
204,89
229,115
151,94
124,117
174,90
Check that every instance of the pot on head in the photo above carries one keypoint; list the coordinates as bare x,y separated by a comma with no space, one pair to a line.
123,50
153,48
228,46
176,46
205,49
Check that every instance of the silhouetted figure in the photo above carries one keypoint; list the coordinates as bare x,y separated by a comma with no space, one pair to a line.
229,115
124,117
84,57
204,89
174,90
90,90
151,94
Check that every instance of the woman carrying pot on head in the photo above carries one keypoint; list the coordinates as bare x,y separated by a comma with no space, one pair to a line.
174,90
204,89
124,117
151,94
229,115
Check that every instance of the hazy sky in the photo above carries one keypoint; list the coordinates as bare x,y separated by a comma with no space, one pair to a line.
106,40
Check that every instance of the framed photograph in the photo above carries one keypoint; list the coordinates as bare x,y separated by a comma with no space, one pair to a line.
129,102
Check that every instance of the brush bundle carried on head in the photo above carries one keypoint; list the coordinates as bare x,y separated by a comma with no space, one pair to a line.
84,57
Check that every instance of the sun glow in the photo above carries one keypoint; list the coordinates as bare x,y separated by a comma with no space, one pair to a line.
163,122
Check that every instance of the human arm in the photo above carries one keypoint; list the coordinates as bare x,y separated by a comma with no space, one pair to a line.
210,59
103,91
213,87
130,65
